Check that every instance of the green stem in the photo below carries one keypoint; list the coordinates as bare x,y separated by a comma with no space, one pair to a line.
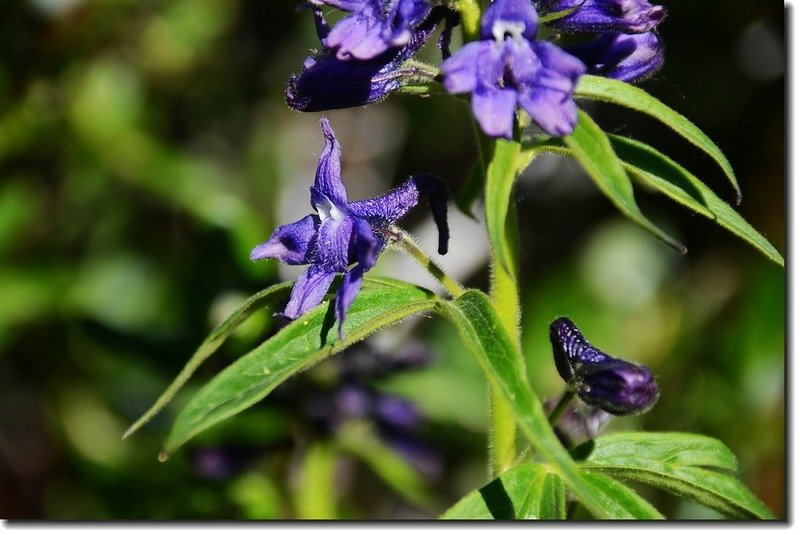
559,409
316,489
401,240
470,11
504,294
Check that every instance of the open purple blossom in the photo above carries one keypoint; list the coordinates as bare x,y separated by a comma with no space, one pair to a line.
600,16
328,82
613,385
373,26
507,68
344,237
629,58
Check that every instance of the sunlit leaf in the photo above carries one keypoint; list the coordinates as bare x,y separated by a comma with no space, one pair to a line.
263,299
693,467
630,96
668,177
592,149
301,344
620,501
527,491
484,336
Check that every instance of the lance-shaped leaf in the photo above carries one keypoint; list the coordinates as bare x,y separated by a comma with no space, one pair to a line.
691,466
484,336
622,501
500,179
301,344
264,299
592,149
527,491
668,177
630,96
654,169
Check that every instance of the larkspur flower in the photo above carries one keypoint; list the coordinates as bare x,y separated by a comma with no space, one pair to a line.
343,234
507,68
328,82
600,16
615,386
629,58
373,26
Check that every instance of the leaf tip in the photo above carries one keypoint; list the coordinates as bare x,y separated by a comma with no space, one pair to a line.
163,457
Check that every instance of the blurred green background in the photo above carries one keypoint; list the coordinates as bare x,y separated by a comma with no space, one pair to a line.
145,148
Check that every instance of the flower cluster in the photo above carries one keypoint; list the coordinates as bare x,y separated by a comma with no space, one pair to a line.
370,53
613,385
344,237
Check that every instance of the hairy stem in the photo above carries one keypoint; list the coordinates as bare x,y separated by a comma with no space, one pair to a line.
470,11
504,292
403,242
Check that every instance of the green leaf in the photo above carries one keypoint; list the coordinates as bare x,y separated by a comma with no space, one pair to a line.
623,94
527,491
620,501
668,177
592,149
359,440
299,345
665,175
683,464
476,321
265,298
500,177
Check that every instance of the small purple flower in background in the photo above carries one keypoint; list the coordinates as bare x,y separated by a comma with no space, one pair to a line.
350,396
613,385
507,68
343,234
578,423
373,26
629,58
598,16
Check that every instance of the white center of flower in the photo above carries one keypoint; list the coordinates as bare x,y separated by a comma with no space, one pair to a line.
503,28
327,210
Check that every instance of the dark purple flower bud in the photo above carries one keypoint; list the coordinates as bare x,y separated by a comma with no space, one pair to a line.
630,58
508,68
373,26
614,385
599,16
328,82
343,234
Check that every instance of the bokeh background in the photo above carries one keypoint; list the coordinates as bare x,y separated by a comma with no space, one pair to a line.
145,148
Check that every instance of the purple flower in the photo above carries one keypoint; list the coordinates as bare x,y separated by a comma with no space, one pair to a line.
614,385
630,58
343,234
578,423
373,26
596,16
507,67
327,82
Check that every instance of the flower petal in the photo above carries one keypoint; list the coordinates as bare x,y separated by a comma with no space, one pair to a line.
328,181
386,210
510,11
308,291
290,243
366,247
359,36
332,247
460,71
494,110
